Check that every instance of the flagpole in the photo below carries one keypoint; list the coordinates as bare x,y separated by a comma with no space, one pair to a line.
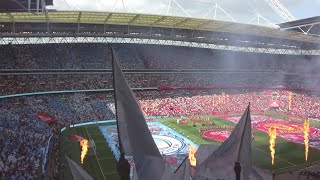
237,170
185,159
123,166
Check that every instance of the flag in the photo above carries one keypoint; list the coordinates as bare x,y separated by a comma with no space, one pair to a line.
77,172
45,118
204,151
237,148
134,133
75,137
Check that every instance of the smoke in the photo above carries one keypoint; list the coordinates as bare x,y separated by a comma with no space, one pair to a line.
310,71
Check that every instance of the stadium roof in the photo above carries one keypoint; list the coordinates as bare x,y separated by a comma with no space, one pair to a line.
307,26
153,21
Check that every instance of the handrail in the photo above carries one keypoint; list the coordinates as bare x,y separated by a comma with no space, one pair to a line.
69,91
165,88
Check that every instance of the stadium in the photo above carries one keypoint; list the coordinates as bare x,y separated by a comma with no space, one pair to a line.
192,77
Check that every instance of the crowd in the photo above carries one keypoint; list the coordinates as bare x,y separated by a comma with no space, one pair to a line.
23,137
67,56
19,124
98,56
14,84
190,103
227,68
23,141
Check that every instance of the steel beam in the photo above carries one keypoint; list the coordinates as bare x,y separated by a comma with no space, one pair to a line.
104,39
12,20
136,17
181,22
105,22
79,19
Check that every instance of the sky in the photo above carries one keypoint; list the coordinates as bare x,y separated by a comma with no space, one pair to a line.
243,11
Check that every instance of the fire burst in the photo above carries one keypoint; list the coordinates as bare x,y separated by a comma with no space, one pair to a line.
84,145
306,130
272,141
192,158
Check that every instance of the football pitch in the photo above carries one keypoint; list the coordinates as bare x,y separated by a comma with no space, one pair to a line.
102,165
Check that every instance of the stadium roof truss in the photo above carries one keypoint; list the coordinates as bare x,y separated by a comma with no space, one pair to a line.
104,27
309,26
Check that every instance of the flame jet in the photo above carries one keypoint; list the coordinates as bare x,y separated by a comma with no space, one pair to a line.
84,151
192,158
306,129
272,141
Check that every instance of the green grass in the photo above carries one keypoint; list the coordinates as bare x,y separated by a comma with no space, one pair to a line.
101,165
289,155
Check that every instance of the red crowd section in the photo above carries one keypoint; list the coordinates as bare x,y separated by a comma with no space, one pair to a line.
238,87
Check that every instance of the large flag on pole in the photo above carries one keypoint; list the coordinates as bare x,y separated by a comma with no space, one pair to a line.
237,148
134,133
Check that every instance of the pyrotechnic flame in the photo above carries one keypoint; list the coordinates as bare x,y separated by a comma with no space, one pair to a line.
272,141
306,130
84,145
192,158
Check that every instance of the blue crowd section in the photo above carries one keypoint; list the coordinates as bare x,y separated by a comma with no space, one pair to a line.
101,107
62,107
24,143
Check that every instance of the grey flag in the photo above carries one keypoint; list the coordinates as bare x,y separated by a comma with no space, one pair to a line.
237,148
134,133
77,172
